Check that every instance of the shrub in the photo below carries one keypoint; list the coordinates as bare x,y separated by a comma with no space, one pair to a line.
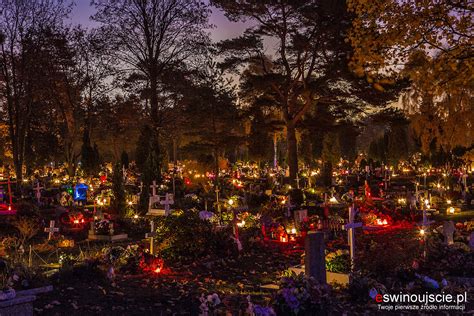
300,295
186,237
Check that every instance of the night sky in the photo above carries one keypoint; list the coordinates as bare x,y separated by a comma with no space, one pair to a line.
224,28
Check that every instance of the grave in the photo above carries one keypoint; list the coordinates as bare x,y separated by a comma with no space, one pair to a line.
151,235
22,302
111,237
166,201
448,232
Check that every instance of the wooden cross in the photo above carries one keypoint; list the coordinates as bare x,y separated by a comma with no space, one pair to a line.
217,200
153,188
167,202
38,191
151,235
51,230
351,232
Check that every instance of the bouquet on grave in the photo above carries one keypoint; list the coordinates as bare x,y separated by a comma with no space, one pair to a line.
338,261
102,227
300,295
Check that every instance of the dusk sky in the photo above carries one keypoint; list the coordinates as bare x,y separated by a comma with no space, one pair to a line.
224,28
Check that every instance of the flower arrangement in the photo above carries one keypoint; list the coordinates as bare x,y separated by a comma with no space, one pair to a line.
257,310
209,304
300,295
102,227
338,261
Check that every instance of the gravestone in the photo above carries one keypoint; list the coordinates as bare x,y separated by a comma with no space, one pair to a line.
448,231
300,216
315,263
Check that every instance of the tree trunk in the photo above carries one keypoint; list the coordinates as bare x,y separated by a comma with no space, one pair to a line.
292,151
154,99
327,174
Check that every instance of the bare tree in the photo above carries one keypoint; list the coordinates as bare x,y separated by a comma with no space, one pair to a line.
152,36
19,21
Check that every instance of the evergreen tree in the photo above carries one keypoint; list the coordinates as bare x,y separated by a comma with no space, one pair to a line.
118,190
124,159
330,155
89,155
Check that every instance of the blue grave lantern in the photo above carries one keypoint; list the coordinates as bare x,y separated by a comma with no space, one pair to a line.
80,192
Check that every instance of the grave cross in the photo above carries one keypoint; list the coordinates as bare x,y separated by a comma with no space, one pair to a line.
167,202
51,230
153,188
297,181
351,233
38,191
151,235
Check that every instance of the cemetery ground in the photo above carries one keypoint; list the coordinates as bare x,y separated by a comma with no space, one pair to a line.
246,255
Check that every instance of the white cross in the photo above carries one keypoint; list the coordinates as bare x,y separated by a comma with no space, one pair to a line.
167,202
153,188
141,187
151,235
297,181
124,172
51,230
38,191
351,232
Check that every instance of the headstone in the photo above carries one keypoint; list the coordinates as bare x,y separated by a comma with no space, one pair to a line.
315,262
51,230
448,231
300,216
